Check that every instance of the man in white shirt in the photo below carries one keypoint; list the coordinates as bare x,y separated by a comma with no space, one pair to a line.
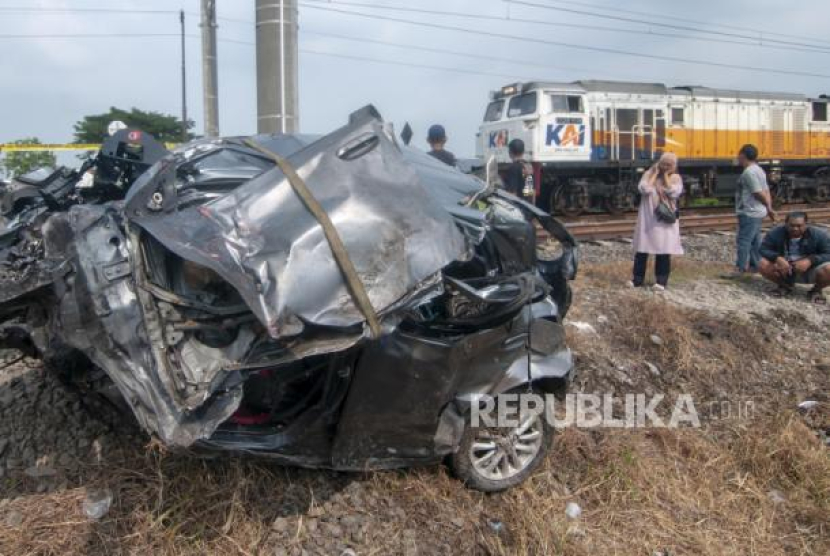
753,203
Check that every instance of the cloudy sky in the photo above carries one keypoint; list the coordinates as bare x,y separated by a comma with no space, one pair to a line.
47,83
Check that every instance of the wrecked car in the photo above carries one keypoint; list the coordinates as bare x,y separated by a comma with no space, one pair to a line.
333,302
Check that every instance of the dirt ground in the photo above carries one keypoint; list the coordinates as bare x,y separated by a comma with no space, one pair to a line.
753,479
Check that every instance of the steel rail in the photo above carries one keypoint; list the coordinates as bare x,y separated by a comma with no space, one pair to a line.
691,221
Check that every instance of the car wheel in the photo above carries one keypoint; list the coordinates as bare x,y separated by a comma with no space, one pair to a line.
493,459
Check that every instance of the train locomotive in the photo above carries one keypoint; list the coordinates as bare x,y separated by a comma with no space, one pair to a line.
590,141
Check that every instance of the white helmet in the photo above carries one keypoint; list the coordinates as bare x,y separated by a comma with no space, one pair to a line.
115,126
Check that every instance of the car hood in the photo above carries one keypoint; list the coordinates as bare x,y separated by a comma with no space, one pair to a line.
262,239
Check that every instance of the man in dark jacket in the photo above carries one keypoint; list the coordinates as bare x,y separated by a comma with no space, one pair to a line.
797,253
518,178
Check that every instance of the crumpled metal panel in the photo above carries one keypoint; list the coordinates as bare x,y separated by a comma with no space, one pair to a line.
265,243
99,314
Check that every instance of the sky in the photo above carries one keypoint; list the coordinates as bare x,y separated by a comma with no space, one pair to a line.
47,84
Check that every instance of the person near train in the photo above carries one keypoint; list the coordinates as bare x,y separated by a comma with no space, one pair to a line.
518,178
437,139
753,203
657,231
797,253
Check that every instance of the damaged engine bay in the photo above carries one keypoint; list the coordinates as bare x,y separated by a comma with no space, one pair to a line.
335,302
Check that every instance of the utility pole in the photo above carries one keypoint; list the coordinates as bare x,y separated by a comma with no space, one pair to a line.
210,78
184,80
276,66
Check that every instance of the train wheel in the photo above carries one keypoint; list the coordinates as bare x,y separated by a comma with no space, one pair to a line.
619,201
780,195
822,191
820,194
572,200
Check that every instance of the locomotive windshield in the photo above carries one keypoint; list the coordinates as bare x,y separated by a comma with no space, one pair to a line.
494,110
522,105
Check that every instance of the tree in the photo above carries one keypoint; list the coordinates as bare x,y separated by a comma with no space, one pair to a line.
15,163
164,127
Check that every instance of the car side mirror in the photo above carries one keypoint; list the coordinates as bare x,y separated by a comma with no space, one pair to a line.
406,134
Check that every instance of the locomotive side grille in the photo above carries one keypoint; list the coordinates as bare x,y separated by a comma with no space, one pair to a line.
778,131
800,131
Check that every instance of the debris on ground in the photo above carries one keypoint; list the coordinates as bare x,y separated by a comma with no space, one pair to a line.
572,510
97,503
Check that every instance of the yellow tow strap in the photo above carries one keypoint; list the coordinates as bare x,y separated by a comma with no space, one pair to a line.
341,256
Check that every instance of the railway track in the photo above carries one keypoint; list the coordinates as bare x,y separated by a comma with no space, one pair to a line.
692,221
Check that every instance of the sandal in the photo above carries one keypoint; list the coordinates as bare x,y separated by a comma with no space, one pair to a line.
817,297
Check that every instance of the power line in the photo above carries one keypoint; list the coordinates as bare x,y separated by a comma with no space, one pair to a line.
604,50
753,41
398,62
38,9
410,46
760,32
661,24
413,65
88,35
442,51
249,43
570,25
111,11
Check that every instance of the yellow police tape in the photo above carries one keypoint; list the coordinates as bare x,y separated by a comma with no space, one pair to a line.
37,147
34,147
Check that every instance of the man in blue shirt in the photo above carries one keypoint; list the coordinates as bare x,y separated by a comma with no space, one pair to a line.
797,253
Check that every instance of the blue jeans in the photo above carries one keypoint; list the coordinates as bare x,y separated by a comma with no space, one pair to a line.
748,243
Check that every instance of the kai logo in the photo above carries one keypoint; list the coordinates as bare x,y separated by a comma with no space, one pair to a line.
499,139
566,135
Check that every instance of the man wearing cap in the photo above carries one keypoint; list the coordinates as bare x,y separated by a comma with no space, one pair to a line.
437,138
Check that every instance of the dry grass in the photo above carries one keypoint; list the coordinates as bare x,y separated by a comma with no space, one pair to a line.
680,491
710,491
685,491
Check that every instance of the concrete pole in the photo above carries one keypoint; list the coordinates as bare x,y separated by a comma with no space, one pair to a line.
184,80
210,79
276,66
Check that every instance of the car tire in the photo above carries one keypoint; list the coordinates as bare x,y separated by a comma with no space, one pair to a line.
470,461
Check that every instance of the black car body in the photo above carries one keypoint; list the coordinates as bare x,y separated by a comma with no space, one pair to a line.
210,295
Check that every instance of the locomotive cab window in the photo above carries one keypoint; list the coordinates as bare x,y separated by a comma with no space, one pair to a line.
819,111
566,103
522,105
494,110
678,116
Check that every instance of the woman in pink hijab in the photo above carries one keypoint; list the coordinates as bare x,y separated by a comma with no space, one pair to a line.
653,236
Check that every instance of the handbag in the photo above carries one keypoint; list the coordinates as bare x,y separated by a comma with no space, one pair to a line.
665,212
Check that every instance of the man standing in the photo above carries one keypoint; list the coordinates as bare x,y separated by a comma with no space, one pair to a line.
753,203
437,139
797,253
518,178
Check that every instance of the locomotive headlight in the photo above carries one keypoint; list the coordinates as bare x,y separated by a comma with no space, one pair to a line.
510,90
